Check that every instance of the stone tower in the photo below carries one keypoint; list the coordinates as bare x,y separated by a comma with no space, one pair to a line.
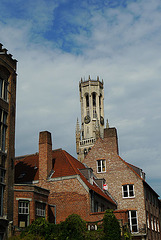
92,115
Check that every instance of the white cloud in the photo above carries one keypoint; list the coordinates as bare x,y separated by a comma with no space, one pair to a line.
122,47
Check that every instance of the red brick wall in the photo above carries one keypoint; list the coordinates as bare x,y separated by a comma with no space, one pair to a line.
45,155
117,173
31,193
69,196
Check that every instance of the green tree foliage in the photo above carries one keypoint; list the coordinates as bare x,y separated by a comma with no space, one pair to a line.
40,227
111,226
73,228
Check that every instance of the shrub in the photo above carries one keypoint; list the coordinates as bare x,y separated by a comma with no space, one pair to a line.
39,227
72,228
111,226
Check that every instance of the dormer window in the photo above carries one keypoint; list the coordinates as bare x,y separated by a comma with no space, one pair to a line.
101,166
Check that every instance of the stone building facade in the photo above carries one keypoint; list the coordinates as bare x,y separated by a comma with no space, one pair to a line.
92,116
7,139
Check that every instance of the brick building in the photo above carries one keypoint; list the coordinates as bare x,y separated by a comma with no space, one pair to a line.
127,184
54,184
7,139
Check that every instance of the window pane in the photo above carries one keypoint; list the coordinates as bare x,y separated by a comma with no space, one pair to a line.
133,214
1,200
99,169
1,87
134,229
4,138
5,90
4,117
103,165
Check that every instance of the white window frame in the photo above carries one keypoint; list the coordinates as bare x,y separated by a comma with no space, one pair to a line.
128,191
148,223
130,220
101,166
152,223
40,209
155,224
24,209
158,226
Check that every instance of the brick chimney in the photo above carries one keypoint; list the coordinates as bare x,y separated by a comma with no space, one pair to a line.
110,136
45,154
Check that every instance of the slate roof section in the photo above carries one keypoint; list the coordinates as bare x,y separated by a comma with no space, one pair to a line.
27,170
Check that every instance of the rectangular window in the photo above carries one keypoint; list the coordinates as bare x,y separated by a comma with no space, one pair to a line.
133,222
158,227
40,209
95,206
1,199
23,213
1,87
4,129
101,166
152,223
147,218
2,175
5,91
128,191
155,224
102,207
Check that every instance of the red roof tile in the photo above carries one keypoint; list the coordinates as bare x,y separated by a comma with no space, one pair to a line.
26,170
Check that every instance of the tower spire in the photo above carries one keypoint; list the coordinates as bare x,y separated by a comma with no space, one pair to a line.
92,115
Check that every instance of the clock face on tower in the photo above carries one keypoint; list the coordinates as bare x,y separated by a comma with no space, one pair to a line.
87,119
102,120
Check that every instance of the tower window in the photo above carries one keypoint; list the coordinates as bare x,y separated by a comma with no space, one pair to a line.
87,100
94,99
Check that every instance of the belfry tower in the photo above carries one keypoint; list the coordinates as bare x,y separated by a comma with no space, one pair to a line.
92,115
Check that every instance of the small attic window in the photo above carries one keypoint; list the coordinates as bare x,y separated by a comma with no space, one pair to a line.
21,175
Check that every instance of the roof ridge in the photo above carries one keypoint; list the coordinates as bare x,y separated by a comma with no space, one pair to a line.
74,168
18,158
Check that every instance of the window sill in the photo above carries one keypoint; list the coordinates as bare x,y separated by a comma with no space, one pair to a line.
128,197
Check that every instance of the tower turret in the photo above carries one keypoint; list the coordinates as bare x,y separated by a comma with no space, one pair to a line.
92,115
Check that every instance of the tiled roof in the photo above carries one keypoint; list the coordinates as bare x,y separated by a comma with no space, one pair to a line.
26,170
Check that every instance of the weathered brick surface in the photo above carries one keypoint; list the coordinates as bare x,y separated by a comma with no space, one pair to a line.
118,173
8,72
32,194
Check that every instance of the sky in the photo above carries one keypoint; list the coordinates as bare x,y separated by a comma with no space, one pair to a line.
56,42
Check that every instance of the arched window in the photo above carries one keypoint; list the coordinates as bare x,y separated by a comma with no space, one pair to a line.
100,99
87,100
94,99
